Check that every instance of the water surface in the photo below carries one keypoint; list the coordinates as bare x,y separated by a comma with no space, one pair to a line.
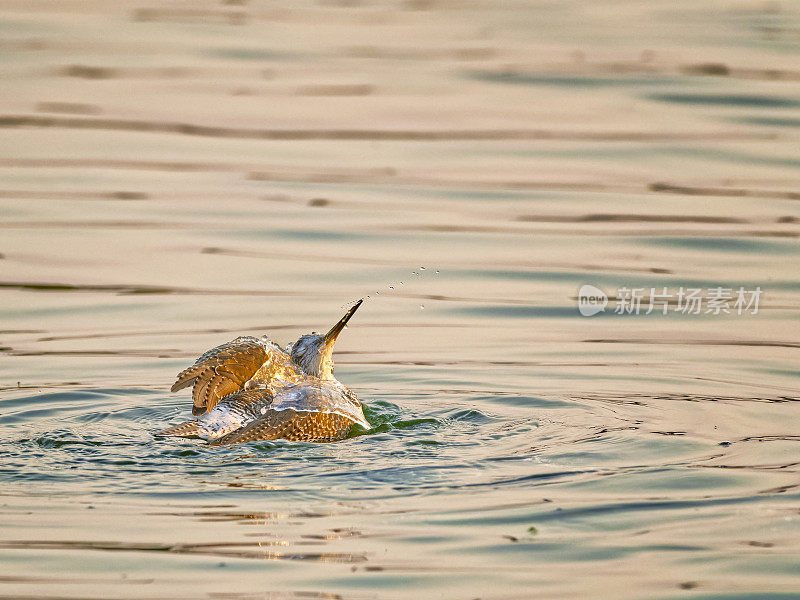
172,177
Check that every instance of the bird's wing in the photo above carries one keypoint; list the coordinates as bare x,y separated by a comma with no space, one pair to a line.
222,371
288,424
310,411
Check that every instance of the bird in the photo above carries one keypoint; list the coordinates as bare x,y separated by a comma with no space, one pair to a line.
251,389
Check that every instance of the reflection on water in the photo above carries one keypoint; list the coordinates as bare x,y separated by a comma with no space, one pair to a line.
202,171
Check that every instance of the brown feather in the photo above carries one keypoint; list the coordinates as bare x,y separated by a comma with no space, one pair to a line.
293,426
179,385
217,388
188,429
221,371
200,387
187,377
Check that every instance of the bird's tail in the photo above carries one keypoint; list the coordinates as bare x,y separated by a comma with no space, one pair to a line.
187,429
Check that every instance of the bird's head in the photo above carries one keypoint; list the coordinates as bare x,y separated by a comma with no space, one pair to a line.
313,353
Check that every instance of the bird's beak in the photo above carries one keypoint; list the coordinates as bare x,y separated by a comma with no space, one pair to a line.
331,336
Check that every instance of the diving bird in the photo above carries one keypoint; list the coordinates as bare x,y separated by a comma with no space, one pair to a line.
252,389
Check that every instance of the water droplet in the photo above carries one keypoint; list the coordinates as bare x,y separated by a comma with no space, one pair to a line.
413,272
422,268
437,271
422,307
378,293
401,283
391,287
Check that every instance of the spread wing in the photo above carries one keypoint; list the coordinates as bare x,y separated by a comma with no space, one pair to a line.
222,371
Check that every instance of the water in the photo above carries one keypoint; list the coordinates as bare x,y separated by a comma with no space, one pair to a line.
173,177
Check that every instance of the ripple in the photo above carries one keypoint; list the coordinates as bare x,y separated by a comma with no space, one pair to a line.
253,550
574,81
724,245
727,100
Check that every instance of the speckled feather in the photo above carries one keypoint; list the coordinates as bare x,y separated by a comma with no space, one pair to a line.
222,371
291,425
333,407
